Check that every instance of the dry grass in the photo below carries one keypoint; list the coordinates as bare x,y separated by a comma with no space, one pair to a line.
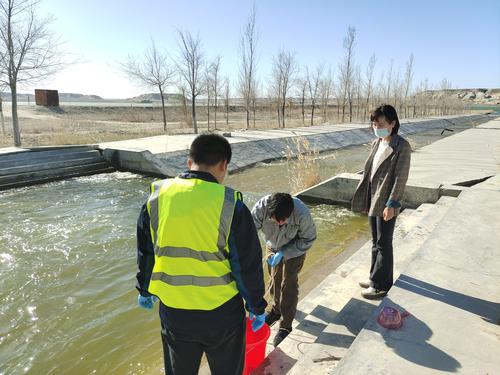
302,164
92,124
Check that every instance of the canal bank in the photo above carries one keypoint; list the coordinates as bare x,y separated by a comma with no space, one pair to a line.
446,269
166,155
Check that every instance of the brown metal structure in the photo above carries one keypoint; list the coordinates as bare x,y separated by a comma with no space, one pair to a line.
47,98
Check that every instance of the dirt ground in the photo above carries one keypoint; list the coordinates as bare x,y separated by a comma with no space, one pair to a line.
87,124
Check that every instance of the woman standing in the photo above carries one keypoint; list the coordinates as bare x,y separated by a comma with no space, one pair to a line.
379,194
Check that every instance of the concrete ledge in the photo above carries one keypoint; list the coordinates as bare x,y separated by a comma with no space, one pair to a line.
43,164
47,175
137,161
336,190
54,164
452,190
34,158
340,190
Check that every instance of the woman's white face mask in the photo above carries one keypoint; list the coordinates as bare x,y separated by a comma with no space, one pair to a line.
382,128
381,132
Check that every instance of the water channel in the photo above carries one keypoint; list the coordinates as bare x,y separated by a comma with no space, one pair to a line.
67,266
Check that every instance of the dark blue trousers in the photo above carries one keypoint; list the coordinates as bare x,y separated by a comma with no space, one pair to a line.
382,265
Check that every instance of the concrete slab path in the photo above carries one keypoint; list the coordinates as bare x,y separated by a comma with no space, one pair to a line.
471,155
451,289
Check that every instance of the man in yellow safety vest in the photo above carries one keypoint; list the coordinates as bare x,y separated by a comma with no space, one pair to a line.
198,253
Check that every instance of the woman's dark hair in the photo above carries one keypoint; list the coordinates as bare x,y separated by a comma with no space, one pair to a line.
280,206
389,113
210,149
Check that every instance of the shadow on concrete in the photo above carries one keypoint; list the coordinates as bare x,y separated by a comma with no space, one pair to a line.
353,316
410,342
277,362
489,311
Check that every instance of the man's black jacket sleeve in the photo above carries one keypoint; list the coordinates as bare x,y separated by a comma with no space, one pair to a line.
245,257
145,253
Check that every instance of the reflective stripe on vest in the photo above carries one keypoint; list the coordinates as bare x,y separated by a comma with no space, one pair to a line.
190,224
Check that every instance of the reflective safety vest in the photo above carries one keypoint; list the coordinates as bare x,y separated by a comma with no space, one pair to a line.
190,223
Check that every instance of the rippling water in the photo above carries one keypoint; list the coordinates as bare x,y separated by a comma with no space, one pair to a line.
67,268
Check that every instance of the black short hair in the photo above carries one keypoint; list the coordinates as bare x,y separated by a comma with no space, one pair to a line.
210,149
390,114
280,206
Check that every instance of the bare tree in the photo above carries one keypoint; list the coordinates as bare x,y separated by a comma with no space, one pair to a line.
357,90
421,100
284,70
2,89
445,86
183,93
190,67
327,87
313,86
408,81
207,80
302,89
397,88
346,71
369,83
4,133
247,77
216,84
29,51
389,82
253,100
152,71
227,93
379,89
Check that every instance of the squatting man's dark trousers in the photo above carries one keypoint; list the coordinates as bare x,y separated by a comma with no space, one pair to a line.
285,289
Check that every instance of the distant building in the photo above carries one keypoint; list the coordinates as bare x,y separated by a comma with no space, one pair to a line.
47,98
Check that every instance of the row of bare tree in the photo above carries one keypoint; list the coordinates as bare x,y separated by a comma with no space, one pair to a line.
193,74
30,51
349,90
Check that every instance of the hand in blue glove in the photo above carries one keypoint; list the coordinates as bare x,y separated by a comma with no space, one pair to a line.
146,302
274,259
257,321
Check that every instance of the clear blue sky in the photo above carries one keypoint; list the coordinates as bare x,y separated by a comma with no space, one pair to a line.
454,39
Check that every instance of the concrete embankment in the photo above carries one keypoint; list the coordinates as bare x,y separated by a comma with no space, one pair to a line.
442,168
450,288
446,270
22,167
166,155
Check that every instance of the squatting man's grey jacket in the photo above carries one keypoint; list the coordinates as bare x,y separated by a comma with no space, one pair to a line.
293,238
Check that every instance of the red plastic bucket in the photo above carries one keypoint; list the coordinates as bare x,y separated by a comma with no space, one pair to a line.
255,347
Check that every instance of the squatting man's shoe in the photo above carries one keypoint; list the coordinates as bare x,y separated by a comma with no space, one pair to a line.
280,336
272,318
372,293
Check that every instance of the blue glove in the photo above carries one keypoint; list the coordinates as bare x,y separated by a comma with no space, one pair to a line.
257,321
146,302
275,259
